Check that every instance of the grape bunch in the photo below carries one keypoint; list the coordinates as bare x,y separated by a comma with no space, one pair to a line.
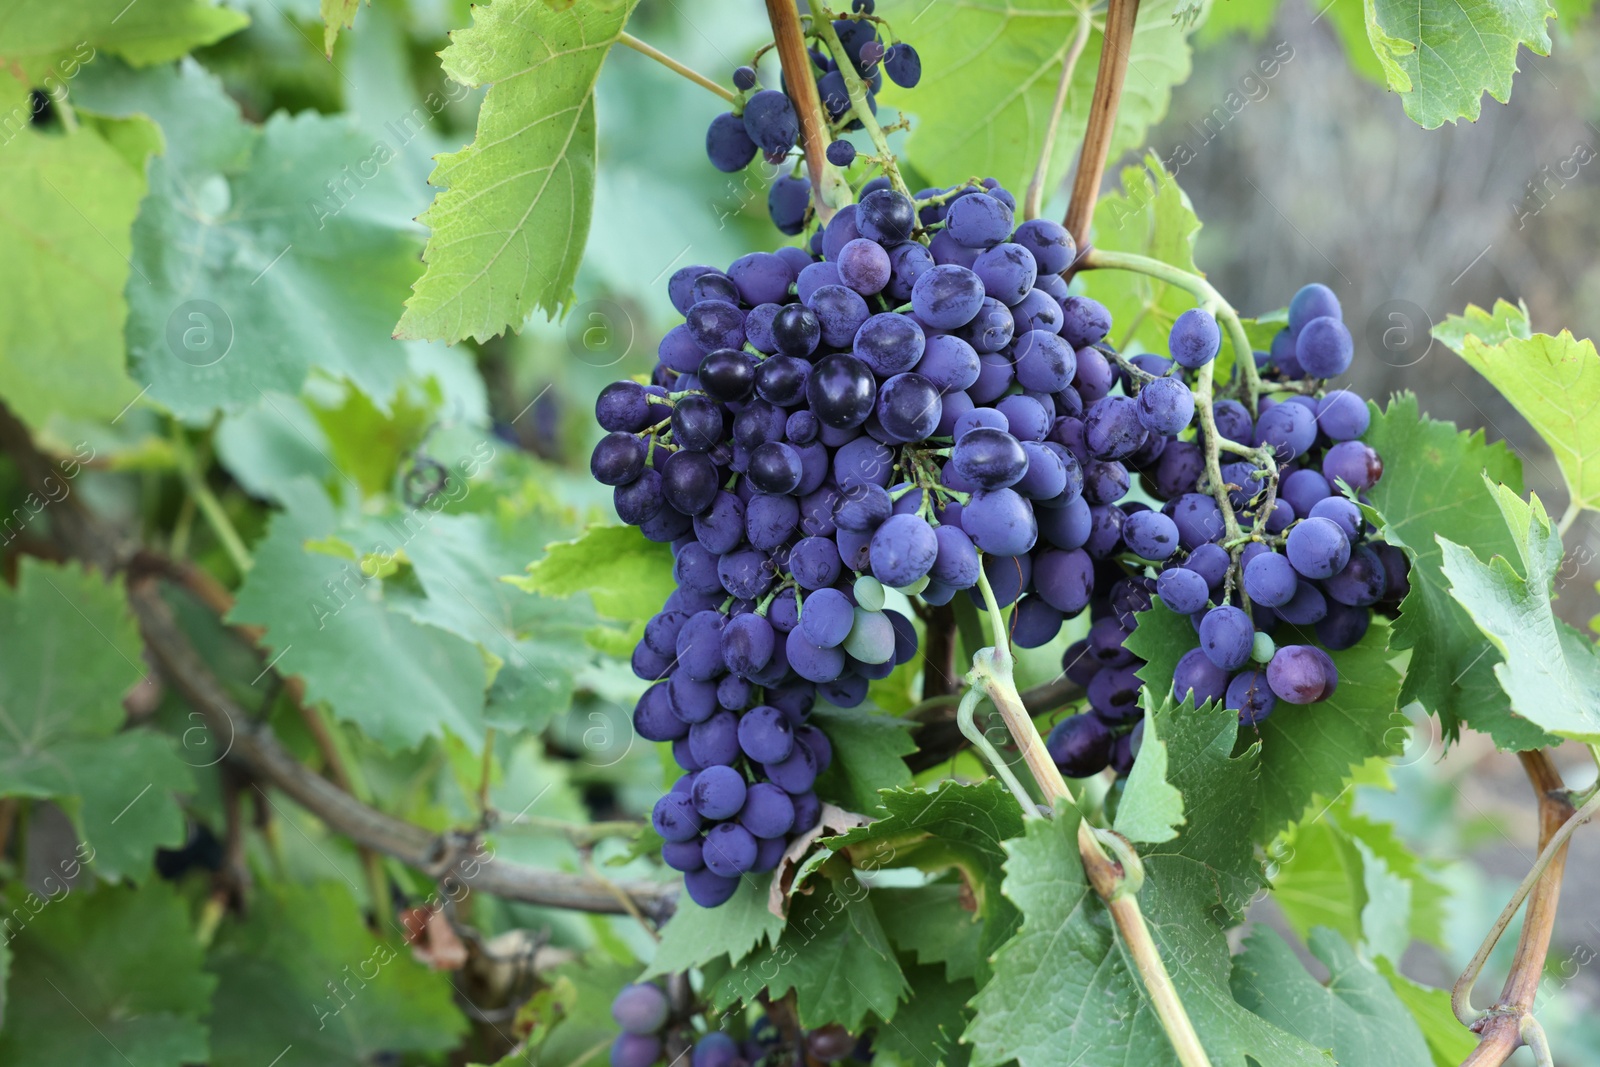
652,1033
1301,579
764,121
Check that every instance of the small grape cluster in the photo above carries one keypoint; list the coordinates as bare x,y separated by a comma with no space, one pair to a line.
1305,568
651,1034
765,123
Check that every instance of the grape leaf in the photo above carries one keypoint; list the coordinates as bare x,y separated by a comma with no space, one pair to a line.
627,575
1149,216
1304,750
1433,487
991,70
459,561
1549,670
935,923
512,212
71,200
833,954
1356,1014
698,935
261,252
1064,991
1449,1042
1441,56
926,1029
69,651
1151,810
1335,868
108,976
337,15
302,978
952,825
322,613
42,40
868,755
1553,382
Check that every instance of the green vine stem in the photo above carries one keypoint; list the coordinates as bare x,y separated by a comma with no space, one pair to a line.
1033,200
1204,292
673,65
829,192
216,516
822,25
1461,993
1117,881
969,729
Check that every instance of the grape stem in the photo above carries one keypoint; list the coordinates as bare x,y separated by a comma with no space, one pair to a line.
216,516
969,729
828,189
822,25
1117,879
673,65
1033,199
1203,291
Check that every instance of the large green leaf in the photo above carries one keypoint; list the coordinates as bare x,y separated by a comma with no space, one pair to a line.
1433,487
627,575
70,204
1355,1014
1304,750
938,923
1441,56
1149,216
868,751
697,935
512,212
1553,381
926,1028
991,70
1064,990
45,39
1549,670
951,826
1449,1042
261,252
833,954
108,976
69,651
320,597
303,979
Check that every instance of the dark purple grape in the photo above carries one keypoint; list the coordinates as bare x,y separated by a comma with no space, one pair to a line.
618,459
908,261
1269,579
1044,362
903,549
1111,427
718,792
1343,416
1361,582
1251,696
768,811
840,311
1299,674
978,220
903,65
1007,271
1182,590
796,329
715,324
1084,322
775,468
1312,302
1000,522
674,817
886,217
947,296
991,329
864,266
908,407
1317,548
1080,745
1198,679
1037,311
727,376
1195,339
708,889
1226,636
728,144
1165,406
1150,535
889,343
841,391
1049,242
1065,579
640,499
697,423
1291,429
635,1050
1353,462
989,458
770,121
788,202
841,153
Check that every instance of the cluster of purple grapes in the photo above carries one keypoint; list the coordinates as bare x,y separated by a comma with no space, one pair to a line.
791,446
1304,568
650,1034
764,121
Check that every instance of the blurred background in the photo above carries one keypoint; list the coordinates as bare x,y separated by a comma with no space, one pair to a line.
1321,177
